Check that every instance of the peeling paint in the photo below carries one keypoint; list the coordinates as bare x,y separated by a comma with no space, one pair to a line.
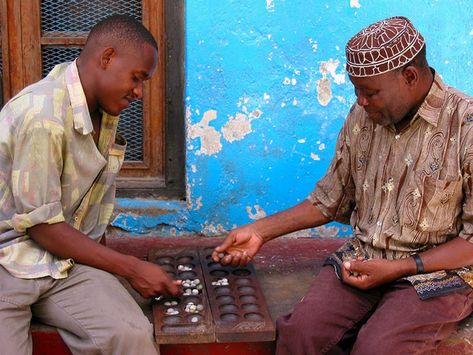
198,202
209,136
329,67
355,3
260,213
236,128
270,5
314,156
324,92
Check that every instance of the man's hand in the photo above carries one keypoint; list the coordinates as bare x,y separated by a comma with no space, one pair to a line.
239,247
150,280
366,274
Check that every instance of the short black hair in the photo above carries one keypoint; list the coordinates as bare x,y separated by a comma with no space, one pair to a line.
124,29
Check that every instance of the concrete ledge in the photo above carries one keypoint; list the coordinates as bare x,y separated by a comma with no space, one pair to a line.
287,261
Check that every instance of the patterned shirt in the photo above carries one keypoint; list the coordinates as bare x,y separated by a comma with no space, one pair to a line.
52,171
404,192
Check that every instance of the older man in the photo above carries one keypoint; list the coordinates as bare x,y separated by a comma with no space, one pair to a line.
402,176
59,156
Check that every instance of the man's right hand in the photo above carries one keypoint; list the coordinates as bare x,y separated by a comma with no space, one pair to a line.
150,280
240,246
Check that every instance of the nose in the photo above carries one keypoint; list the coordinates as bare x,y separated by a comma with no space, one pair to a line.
361,100
138,90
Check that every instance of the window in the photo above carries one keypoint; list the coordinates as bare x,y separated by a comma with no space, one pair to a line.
37,34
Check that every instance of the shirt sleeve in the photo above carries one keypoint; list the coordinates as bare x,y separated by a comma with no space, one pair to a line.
334,194
466,231
36,173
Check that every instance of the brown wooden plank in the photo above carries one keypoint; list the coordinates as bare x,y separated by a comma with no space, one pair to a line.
239,309
184,327
30,46
64,38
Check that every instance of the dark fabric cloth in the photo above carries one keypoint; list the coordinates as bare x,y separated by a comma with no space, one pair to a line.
334,318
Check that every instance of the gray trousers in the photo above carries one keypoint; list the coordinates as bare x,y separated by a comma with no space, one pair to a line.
92,311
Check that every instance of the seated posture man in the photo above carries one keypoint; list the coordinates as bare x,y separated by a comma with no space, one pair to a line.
402,176
59,155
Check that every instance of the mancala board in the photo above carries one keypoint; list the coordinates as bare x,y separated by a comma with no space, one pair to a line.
233,307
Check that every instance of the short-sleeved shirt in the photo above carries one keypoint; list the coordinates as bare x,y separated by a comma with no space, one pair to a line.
404,192
52,171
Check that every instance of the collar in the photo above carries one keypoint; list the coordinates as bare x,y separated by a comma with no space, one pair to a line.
432,106
80,110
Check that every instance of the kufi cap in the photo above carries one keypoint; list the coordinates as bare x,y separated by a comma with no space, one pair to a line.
383,46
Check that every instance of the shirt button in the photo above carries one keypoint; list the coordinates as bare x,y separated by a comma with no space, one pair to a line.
378,223
397,136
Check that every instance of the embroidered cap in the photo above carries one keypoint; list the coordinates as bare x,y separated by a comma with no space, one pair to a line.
383,46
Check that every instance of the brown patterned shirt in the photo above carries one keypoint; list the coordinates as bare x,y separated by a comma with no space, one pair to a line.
404,192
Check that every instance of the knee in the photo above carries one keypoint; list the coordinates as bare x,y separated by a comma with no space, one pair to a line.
127,336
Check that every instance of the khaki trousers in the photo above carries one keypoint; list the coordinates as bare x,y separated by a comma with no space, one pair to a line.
334,318
93,312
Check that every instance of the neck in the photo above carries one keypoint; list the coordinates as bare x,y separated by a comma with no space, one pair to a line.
426,81
87,85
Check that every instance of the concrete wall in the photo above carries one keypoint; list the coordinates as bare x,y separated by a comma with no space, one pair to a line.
266,94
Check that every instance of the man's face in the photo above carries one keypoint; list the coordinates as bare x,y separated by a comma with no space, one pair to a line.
122,77
386,98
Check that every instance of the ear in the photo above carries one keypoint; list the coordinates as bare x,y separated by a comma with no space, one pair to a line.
410,75
106,57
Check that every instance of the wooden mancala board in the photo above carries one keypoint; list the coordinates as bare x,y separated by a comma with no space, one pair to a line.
229,306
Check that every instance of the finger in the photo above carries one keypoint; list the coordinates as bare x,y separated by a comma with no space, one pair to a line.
245,259
358,266
236,259
227,243
227,259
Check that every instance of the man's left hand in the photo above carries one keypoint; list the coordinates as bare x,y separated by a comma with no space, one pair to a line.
366,274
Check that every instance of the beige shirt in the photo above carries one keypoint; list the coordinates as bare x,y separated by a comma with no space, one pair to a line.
51,170
404,192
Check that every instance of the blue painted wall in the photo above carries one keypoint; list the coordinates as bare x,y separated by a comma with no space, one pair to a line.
266,94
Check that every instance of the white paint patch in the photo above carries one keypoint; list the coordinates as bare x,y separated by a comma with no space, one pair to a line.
260,213
236,128
294,102
209,137
193,168
322,146
293,81
314,156
302,140
198,202
329,67
286,81
210,229
313,44
270,5
283,104
324,91
471,32
355,3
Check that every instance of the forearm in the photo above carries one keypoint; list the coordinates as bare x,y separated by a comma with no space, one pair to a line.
64,241
454,254
301,216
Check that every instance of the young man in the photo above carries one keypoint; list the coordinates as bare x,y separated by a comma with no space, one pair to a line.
59,156
402,176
